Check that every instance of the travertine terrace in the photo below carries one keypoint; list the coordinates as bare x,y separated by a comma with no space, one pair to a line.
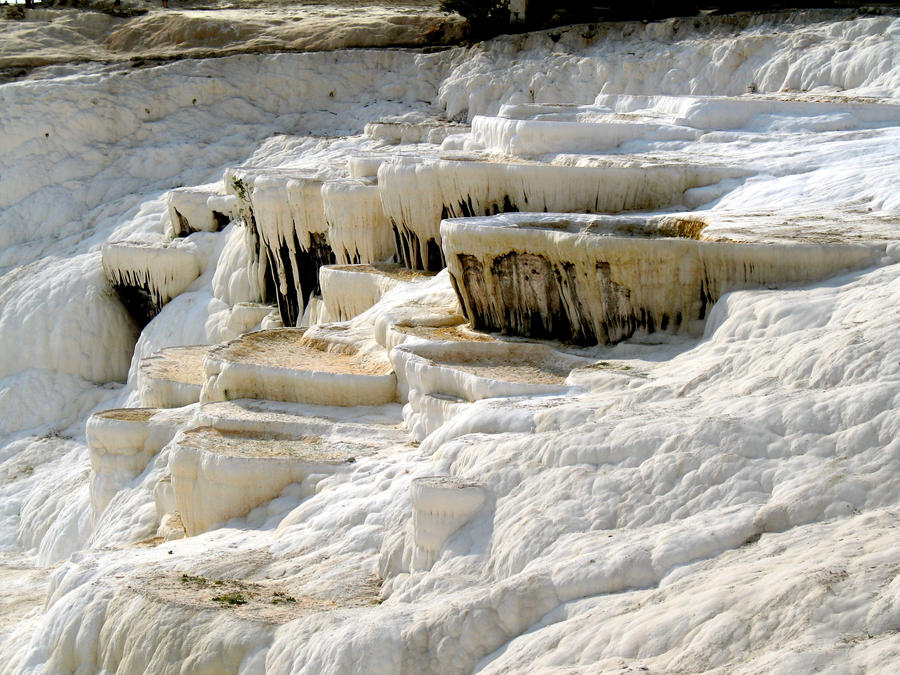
572,350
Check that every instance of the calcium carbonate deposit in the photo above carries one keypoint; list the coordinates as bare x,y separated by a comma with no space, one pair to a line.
571,351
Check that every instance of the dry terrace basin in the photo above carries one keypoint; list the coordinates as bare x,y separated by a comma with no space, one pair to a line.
218,475
172,377
475,370
349,290
280,365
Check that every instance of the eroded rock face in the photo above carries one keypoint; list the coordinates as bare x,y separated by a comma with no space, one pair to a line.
546,299
418,195
146,277
417,254
589,279
297,273
198,209
287,213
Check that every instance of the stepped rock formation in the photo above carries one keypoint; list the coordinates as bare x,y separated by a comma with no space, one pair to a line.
572,350
599,279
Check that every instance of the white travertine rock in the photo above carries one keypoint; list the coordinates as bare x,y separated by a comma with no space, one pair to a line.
198,209
117,441
147,276
349,290
475,370
219,475
418,194
807,111
365,166
357,229
727,504
238,277
121,442
316,312
42,329
424,413
164,497
247,316
286,211
418,131
232,322
271,320
437,377
172,377
279,365
589,279
431,303
171,527
441,505
542,136
372,423
287,207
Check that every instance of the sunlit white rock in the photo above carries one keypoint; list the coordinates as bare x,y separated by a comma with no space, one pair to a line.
247,316
147,276
541,136
418,194
171,527
172,377
279,365
441,505
238,277
117,440
358,230
121,443
625,519
430,303
412,130
219,475
365,166
349,290
316,312
797,111
41,328
190,211
438,376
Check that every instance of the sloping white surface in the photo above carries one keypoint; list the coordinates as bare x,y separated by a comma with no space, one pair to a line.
620,527
674,57
40,327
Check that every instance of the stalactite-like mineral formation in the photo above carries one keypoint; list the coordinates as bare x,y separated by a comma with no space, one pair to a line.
417,195
590,279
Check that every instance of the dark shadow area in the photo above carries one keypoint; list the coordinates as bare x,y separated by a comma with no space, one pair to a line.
493,17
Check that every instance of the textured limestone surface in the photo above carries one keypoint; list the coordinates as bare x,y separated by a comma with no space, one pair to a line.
719,499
